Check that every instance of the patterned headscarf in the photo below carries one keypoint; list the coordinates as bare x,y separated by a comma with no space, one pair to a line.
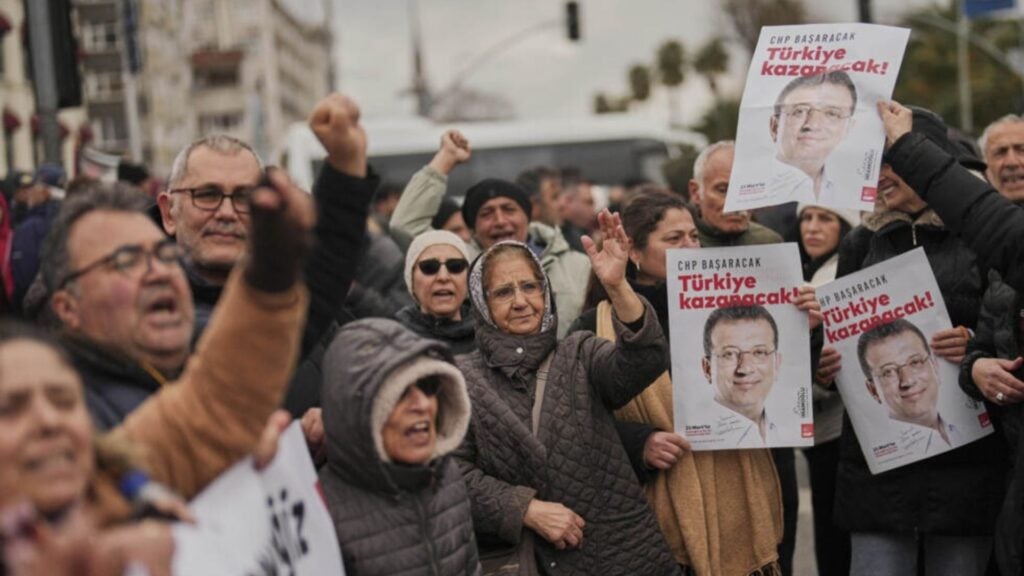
477,291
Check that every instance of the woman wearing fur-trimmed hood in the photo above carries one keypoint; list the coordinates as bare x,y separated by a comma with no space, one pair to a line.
394,407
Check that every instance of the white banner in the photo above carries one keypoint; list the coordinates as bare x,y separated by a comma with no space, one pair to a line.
272,522
904,401
808,127
741,373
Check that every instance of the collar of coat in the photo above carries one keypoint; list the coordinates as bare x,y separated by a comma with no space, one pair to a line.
883,217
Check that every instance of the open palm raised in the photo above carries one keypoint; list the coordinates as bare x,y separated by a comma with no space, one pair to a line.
609,263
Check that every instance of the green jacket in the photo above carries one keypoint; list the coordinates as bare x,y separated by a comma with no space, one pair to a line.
753,235
568,270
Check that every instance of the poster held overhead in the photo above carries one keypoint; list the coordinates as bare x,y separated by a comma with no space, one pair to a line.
741,374
903,400
808,129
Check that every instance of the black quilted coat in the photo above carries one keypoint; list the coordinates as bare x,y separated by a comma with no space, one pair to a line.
576,459
391,519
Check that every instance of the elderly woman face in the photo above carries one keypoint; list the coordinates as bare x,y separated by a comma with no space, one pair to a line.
46,454
410,432
515,293
439,281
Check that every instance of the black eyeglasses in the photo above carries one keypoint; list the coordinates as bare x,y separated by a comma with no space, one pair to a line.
128,259
210,197
429,385
433,266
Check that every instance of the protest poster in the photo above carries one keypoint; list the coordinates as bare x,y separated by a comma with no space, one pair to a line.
741,374
261,523
904,401
809,130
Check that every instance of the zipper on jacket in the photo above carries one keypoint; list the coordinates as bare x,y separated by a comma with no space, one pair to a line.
435,567
913,233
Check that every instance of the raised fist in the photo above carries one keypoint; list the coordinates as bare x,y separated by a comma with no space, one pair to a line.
282,233
454,150
335,121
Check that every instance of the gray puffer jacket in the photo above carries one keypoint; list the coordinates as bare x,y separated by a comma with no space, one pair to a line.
576,459
391,518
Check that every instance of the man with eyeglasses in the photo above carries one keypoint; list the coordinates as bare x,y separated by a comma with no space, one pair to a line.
900,372
120,293
741,361
812,115
205,208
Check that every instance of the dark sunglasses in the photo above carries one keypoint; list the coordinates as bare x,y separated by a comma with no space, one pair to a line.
433,266
429,385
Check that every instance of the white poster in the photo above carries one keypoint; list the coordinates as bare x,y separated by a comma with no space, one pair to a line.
808,127
265,523
904,401
741,374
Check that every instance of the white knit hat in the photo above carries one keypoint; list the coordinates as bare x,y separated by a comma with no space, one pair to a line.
424,241
851,217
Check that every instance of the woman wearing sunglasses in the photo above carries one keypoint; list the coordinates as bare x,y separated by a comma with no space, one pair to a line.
435,272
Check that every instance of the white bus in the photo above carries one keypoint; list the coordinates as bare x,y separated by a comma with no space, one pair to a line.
608,150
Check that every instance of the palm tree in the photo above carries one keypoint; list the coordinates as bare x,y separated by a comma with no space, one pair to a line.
712,60
671,73
640,82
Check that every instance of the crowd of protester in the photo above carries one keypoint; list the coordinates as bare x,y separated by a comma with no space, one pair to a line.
483,375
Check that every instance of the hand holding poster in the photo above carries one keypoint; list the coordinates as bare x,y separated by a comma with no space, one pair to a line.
903,400
808,129
741,374
265,522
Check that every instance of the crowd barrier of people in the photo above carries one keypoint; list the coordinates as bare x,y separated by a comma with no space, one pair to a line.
483,376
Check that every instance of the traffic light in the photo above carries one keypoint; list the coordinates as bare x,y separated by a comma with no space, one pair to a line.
572,20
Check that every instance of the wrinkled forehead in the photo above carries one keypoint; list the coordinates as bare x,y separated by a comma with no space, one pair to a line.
100,232
501,203
1005,134
510,265
206,165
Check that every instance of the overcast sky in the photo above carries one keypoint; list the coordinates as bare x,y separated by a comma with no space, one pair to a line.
543,75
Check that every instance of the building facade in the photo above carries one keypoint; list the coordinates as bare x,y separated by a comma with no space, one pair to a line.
243,67
20,148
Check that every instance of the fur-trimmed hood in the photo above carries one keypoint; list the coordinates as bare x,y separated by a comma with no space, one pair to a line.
367,368
883,217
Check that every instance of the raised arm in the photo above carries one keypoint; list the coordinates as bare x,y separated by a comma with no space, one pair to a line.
424,192
990,225
342,194
214,414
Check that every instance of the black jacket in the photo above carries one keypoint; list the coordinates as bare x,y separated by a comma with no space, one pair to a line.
955,493
393,518
989,224
460,336
342,203
994,228
997,336
114,387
